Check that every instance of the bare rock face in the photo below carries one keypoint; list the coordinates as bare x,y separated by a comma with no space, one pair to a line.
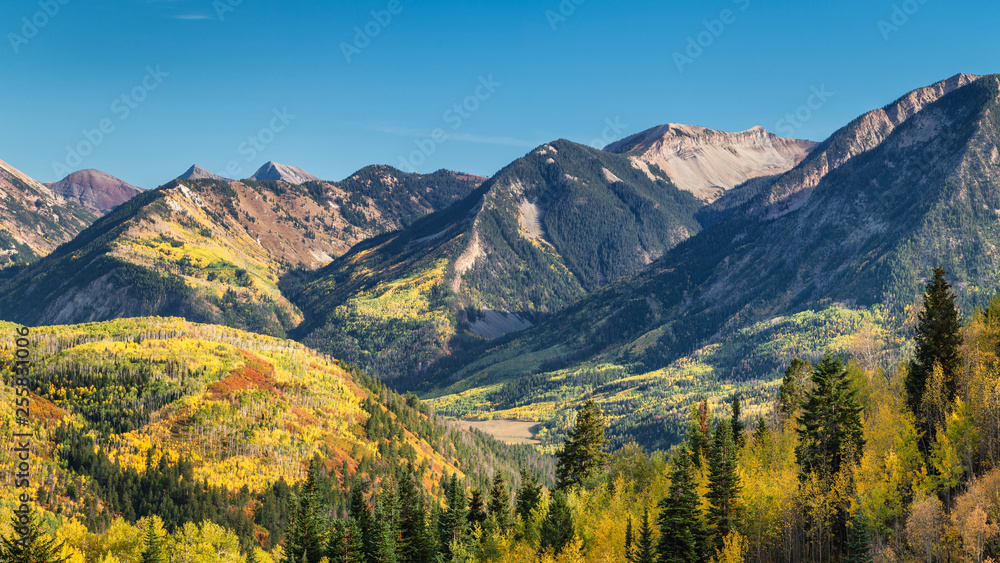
283,173
707,162
96,191
865,133
198,173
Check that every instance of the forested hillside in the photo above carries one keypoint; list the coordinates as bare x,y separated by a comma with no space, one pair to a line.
844,462
214,251
210,426
861,241
552,226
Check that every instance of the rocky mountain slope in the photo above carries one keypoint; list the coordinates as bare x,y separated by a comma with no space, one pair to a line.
96,191
214,251
707,163
554,225
283,173
198,173
34,220
859,223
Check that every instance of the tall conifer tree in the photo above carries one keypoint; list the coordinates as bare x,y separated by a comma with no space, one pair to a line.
938,338
723,484
583,450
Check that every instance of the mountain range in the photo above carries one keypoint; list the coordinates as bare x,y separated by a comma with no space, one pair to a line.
572,272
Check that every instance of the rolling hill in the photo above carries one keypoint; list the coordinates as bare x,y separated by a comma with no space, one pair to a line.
162,416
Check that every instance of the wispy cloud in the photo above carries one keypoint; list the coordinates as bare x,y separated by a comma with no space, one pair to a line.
466,137
192,17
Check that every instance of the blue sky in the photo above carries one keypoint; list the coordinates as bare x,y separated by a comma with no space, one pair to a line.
335,86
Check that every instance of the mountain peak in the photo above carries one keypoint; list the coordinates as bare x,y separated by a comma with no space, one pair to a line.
198,173
284,173
97,191
707,162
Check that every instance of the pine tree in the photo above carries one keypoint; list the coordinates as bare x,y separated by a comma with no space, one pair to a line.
680,521
761,433
557,528
859,540
528,496
500,501
305,535
153,552
251,555
452,525
385,527
792,392
414,543
644,551
477,509
29,544
629,541
830,431
723,484
344,544
737,424
583,450
938,338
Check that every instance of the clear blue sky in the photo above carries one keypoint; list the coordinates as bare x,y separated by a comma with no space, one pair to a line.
228,71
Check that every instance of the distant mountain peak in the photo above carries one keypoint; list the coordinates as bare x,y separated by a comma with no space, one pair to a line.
198,173
284,173
707,162
97,191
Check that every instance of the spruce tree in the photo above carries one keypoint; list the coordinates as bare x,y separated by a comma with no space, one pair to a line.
629,541
414,543
761,433
583,450
477,509
680,521
385,527
305,534
737,424
500,501
644,551
557,528
830,430
938,338
29,544
723,484
792,391
529,494
453,524
859,540
153,552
